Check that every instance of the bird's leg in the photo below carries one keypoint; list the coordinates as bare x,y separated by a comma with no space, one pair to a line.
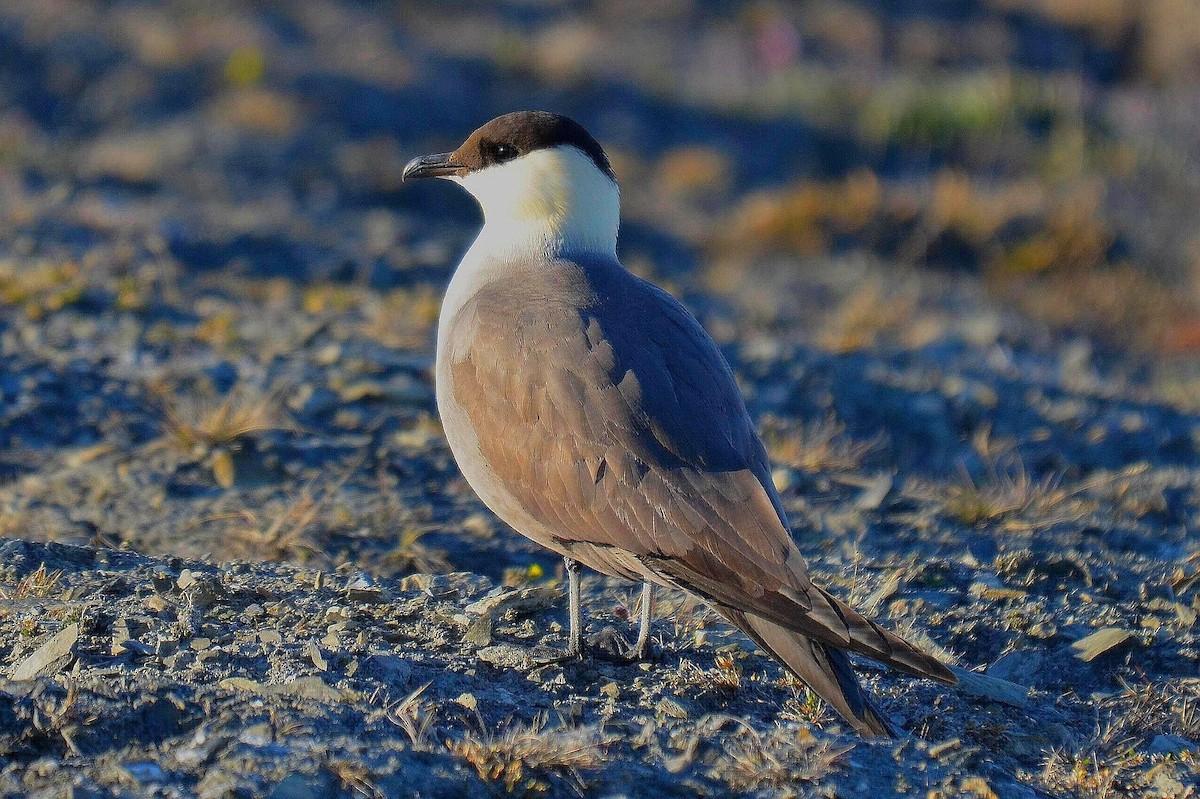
574,609
642,647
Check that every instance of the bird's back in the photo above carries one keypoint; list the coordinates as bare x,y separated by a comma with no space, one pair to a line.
595,416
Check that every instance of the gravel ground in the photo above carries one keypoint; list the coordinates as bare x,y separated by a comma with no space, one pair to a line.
237,558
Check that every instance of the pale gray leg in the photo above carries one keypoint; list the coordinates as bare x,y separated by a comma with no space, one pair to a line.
641,648
574,608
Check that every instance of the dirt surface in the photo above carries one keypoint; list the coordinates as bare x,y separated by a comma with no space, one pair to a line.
951,257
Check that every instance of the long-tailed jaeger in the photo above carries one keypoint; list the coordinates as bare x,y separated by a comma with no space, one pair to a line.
593,414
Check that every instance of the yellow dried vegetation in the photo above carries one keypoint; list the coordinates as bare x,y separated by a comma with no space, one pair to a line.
523,759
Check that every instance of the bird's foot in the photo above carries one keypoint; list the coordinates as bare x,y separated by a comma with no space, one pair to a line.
610,645
543,656
607,645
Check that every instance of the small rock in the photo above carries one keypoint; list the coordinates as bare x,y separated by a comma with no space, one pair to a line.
1170,745
1020,668
199,644
270,637
293,786
515,600
671,709
187,578
1167,786
1105,640
548,675
991,688
977,787
146,771
51,657
875,492
937,750
389,669
313,653
462,584
468,701
302,687
133,647
257,735
505,656
479,633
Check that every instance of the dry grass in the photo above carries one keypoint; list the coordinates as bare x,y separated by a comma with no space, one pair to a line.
1121,304
1009,498
193,422
289,535
784,759
42,287
401,319
38,583
800,220
805,707
1088,773
391,519
356,777
865,316
1113,763
1163,35
415,717
410,555
816,447
525,759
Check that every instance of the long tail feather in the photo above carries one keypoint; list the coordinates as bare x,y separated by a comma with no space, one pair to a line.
823,669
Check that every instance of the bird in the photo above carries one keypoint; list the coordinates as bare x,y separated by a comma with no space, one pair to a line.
593,414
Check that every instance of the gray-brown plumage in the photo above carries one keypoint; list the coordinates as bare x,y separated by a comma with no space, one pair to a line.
593,414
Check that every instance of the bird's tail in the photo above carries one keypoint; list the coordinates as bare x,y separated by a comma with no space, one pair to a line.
825,670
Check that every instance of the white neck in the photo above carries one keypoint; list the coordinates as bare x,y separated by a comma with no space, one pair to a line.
540,206
548,202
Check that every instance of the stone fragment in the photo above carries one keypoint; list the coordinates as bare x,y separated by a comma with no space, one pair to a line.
991,688
187,578
479,633
51,657
1017,667
1163,744
875,492
1093,646
502,600
505,656
313,653
462,584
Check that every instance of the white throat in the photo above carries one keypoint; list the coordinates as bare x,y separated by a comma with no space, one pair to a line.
540,206
548,202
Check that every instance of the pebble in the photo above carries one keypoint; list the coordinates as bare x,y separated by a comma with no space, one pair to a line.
1093,646
479,633
50,658
504,600
1020,668
991,688
1163,744
463,584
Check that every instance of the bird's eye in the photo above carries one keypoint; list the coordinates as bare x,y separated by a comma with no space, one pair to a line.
504,152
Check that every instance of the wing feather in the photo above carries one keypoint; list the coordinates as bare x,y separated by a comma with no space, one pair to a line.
609,415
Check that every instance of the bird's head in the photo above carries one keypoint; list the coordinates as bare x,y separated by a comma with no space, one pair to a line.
541,180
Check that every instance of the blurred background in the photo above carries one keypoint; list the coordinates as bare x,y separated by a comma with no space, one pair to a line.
918,228
1048,147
